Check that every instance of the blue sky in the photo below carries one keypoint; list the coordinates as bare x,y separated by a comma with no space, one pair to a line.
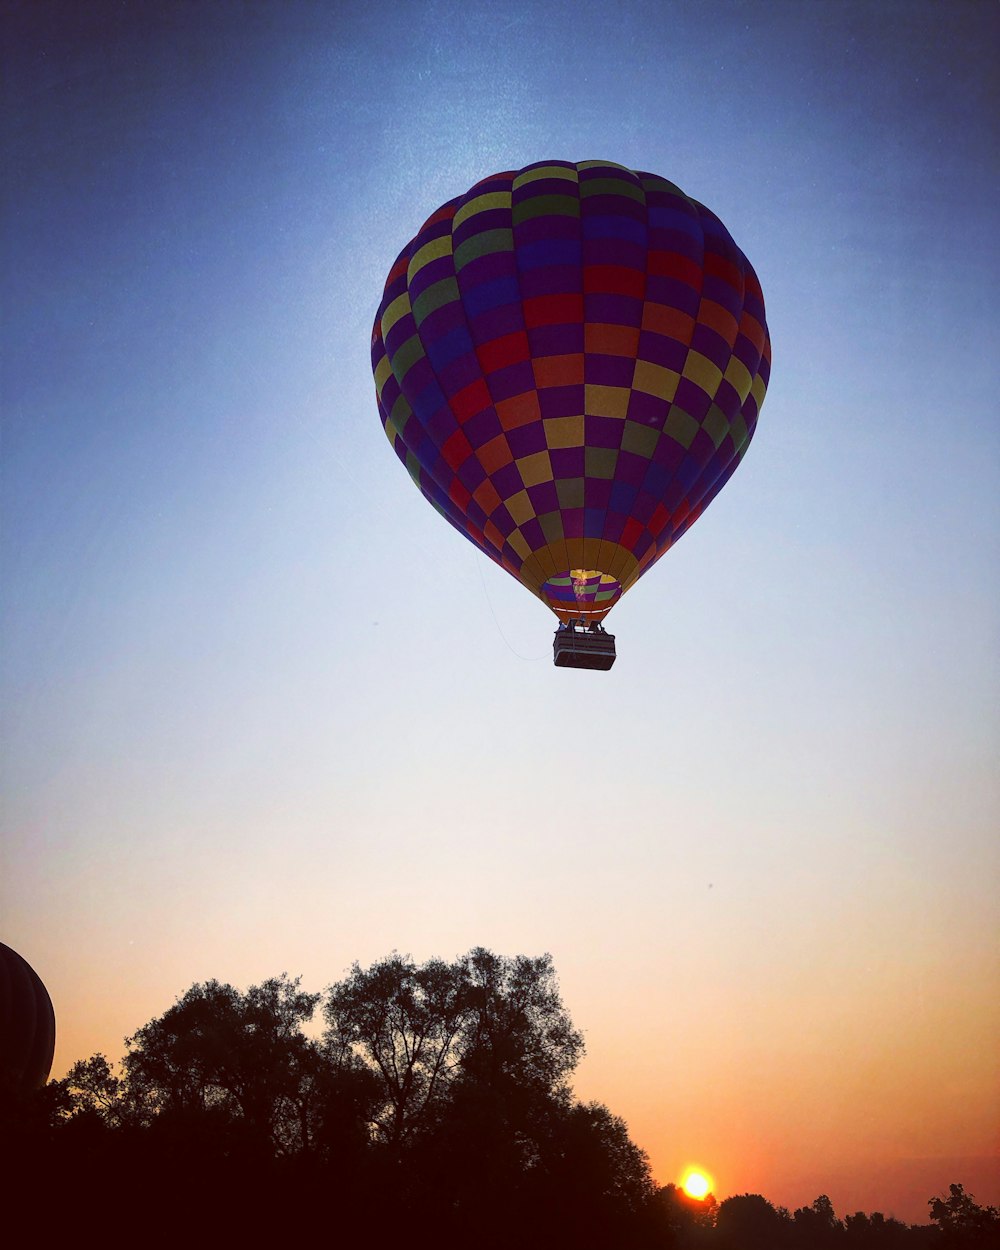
263,709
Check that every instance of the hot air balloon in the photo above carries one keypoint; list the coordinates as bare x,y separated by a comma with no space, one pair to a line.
570,360
27,1026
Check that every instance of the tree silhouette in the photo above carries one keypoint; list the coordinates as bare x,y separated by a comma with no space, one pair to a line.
404,1022
436,1107
98,1092
485,1020
876,1232
963,1223
817,1225
684,1221
472,1060
750,1222
234,1056
517,1032
602,1176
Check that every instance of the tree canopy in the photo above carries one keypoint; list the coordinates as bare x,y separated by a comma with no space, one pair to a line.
434,1104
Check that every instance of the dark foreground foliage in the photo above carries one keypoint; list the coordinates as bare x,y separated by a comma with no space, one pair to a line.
435,1109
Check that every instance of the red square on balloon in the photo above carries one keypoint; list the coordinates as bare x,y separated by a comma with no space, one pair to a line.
470,400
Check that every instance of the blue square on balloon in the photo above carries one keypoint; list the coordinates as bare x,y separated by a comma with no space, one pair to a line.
687,474
622,497
448,347
547,252
656,479
593,522
487,295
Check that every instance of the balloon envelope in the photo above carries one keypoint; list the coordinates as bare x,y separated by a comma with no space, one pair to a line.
27,1025
570,360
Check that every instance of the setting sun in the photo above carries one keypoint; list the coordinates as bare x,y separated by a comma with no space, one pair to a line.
696,1183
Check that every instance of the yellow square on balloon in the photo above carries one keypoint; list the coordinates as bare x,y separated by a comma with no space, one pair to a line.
535,469
606,401
520,507
564,431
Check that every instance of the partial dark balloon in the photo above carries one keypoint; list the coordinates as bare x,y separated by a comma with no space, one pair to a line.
27,1025
570,360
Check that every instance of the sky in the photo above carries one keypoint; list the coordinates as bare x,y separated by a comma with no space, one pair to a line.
264,710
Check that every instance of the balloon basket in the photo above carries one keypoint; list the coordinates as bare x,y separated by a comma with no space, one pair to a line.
587,647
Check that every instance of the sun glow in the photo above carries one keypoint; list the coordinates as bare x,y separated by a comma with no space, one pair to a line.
696,1183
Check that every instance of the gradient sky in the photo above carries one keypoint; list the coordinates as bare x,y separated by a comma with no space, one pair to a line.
263,709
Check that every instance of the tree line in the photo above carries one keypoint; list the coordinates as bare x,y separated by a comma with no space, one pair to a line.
435,1106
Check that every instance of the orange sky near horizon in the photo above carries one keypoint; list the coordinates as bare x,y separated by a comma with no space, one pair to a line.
866,1068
